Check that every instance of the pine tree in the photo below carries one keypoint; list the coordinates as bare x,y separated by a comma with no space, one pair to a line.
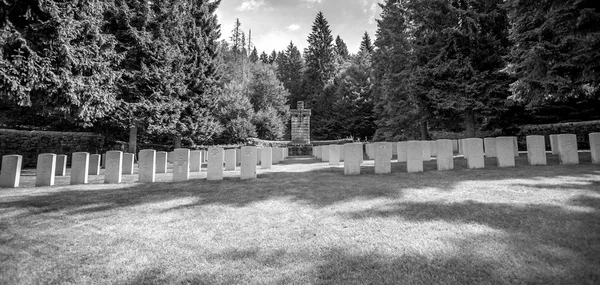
319,56
289,72
272,57
555,51
341,49
366,46
264,58
253,56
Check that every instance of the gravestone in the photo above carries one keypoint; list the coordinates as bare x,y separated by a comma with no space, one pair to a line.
426,149
401,151
45,169
433,148
554,144
595,147
248,160
103,161
238,156
334,154
536,150
474,152
266,158
10,174
204,156
61,165
414,156
113,170
195,160
383,157
80,163
567,149
170,156
275,153
362,153
370,151
342,152
147,165
128,163
317,150
161,162
325,153
181,164
489,145
445,155
282,155
352,157
505,152
230,159
300,119
94,164
214,169
516,146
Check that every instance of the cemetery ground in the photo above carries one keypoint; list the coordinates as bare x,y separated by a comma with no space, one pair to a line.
304,222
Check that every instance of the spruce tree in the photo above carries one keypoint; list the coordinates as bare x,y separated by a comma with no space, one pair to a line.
264,58
253,56
341,49
366,46
289,72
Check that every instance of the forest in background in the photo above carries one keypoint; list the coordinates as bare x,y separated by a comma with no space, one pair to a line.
457,66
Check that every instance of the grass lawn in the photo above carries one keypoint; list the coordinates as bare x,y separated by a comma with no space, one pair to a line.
304,222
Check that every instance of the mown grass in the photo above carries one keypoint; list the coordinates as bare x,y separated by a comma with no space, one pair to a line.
304,222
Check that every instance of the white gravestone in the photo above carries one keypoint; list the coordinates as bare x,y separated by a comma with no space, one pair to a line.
317,151
383,157
325,153
567,149
128,163
61,165
281,154
274,155
595,147
362,153
474,151
214,169
433,148
195,160
414,156
238,156
147,165
334,154
94,164
80,162
505,152
170,156
536,150
445,155
489,145
161,162
370,151
230,159
248,160
516,146
342,152
113,172
426,149
401,151
10,174
204,156
353,153
554,144
181,164
266,158
45,169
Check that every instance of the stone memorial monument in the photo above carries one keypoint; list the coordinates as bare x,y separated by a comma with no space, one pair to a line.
45,169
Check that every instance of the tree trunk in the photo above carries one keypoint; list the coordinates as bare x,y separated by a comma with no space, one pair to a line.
470,124
177,141
423,129
132,146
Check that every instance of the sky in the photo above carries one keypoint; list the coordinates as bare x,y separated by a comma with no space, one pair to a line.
274,23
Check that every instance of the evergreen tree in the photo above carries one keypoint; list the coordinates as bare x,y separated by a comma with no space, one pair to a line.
264,58
289,72
555,51
272,57
56,65
341,49
253,56
366,46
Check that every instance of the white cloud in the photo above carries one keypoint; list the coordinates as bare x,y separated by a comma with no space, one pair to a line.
311,3
248,5
293,27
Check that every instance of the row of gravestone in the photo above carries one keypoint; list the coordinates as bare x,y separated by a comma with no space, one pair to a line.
414,153
117,163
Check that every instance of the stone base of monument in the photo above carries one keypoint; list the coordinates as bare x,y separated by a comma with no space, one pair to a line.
300,149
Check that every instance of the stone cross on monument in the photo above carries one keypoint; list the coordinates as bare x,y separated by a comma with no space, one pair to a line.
300,124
